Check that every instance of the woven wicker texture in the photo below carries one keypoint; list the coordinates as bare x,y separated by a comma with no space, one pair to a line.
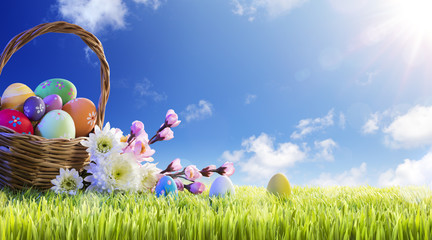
33,161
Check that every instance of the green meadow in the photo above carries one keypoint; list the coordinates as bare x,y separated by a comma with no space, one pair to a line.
310,213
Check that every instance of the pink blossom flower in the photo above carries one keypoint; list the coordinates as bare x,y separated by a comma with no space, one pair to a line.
136,128
226,169
141,150
208,171
195,188
179,183
173,166
171,119
192,173
166,134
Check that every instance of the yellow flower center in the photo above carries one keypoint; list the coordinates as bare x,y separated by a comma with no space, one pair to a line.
143,148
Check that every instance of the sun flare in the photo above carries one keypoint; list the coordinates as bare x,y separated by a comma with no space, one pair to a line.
415,15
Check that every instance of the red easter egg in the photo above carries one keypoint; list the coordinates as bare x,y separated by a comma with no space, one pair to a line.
83,113
16,121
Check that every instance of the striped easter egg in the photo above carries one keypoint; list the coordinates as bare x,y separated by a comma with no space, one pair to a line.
15,95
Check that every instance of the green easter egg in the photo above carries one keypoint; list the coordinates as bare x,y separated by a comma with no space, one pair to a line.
56,124
62,87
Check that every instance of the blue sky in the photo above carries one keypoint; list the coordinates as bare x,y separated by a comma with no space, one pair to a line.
327,92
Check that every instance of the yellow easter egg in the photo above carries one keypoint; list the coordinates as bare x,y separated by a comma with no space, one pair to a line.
15,95
280,185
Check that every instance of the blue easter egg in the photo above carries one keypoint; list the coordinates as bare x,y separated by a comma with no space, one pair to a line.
165,186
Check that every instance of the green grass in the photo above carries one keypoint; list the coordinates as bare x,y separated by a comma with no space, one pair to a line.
310,213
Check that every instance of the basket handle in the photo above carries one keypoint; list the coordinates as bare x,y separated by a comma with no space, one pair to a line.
64,27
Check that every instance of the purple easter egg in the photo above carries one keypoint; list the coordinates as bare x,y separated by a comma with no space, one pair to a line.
53,102
34,108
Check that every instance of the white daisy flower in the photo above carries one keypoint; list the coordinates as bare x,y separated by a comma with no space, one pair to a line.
68,181
103,143
117,172
148,176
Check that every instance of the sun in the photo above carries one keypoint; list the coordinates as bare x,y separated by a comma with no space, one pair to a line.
414,16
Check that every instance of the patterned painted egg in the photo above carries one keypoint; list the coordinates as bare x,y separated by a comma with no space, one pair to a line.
165,186
279,185
34,108
15,95
222,186
53,102
16,121
64,88
83,112
56,124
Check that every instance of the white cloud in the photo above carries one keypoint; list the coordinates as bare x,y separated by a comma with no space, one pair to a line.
197,112
234,156
353,177
143,89
155,4
260,159
325,149
370,76
273,8
96,15
250,98
91,56
411,172
371,126
342,120
414,129
307,126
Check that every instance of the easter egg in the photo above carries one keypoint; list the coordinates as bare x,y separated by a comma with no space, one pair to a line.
279,184
15,95
34,108
221,186
83,112
165,186
16,121
62,87
53,102
56,124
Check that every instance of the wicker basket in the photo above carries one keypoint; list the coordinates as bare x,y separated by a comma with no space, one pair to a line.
33,161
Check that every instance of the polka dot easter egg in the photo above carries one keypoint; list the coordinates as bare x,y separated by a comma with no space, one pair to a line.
16,121
56,124
53,102
15,95
62,87
34,108
83,112
221,187
165,186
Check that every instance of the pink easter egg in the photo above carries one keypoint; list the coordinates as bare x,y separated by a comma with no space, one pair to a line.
53,102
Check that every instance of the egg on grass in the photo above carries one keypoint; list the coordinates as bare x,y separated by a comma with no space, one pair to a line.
166,186
279,185
222,186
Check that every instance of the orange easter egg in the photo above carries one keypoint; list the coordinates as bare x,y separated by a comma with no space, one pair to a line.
15,95
83,112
